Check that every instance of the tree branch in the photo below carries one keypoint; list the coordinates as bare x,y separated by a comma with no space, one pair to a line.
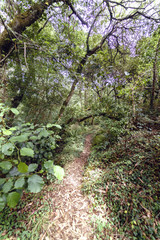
75,12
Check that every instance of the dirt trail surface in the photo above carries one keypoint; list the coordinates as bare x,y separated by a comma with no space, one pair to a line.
70,217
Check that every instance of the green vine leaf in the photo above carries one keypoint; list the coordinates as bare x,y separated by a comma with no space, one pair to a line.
19,183
8,149
27,152
22,167
13,199
6,132
7,186
6,165
20,138
35,183
32,167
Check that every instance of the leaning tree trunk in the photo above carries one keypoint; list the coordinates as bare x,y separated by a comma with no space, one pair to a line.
19,24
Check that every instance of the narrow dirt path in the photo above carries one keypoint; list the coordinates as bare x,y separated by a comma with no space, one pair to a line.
70,217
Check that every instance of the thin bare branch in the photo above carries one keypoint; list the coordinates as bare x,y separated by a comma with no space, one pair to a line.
44,25
91,27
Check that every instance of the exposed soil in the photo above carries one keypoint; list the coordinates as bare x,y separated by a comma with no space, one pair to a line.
69,219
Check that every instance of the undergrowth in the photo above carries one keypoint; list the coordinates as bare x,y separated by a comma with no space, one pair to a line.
29,220
73,144
125,179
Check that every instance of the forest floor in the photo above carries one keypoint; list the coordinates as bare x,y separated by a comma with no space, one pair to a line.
70,217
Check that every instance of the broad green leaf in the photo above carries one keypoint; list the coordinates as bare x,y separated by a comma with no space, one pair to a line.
48,164
57,126
7,186
12,199
43,133
19,183
2,180
14,172
58,172
8,149
1,114
35,183
2,203
33,138
49,125
13,128
27,152
32,167
6,165
15,111
22,167
6,132
20,138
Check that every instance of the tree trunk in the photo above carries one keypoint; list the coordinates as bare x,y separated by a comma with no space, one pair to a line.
19,24
154,77
66,101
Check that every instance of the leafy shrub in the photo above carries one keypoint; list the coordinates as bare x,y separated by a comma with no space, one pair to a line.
110,132
26,153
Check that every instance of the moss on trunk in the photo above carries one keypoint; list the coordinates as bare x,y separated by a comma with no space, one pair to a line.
20,22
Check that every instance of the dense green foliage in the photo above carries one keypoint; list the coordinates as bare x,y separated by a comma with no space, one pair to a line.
68,68
26,153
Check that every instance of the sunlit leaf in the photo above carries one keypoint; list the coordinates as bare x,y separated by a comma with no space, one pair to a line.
6,132
13,199
22,167
58,172
15,111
